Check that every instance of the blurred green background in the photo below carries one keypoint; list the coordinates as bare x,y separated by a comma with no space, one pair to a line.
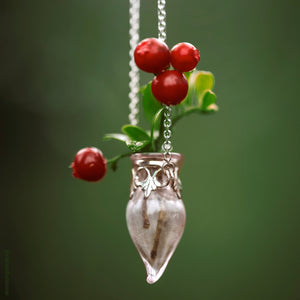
64,84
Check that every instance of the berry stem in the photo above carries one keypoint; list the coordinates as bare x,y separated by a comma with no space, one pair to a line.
159,140
114,161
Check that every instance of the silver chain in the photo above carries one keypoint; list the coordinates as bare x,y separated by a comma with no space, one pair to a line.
134,22
162,35
167,145
162,24
134,75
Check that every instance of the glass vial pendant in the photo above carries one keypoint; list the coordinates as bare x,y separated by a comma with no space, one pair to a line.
155,212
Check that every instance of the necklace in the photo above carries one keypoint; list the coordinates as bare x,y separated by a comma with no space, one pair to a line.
155,212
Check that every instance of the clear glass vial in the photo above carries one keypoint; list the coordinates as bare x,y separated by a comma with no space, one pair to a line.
155,212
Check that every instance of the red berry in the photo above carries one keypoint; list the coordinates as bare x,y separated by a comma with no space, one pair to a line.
89,164
169,87
152,55
184,57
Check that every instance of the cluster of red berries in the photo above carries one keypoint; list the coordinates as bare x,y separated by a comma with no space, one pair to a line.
169,87
89,164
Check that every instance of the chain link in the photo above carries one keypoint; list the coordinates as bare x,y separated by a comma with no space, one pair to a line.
167,145
134,21
162,35
134,76
162,24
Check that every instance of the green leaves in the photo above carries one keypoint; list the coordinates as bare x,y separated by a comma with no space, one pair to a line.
200,99
202,81
115,136
155,124
212,108
135,138
136,146
208,98
156,121
135,133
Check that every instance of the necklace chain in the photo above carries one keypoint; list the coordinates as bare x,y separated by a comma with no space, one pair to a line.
162,24
134,76
162,35
167,144
134,26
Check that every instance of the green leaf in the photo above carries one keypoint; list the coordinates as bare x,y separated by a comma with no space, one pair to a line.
188,74
156,121
179,109
208,99
150,104
142,88
156,124
136,146
135,133
135,139
188,101
116,136
212,108
201,81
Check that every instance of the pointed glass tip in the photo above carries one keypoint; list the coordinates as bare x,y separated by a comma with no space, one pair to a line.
151,279
154,275
157,241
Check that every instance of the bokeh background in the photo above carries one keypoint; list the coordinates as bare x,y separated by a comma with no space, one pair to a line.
64,84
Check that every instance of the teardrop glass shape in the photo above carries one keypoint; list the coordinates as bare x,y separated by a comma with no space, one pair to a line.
155,212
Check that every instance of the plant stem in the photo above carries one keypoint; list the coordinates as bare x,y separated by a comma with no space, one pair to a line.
159,140
116,158
113,161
